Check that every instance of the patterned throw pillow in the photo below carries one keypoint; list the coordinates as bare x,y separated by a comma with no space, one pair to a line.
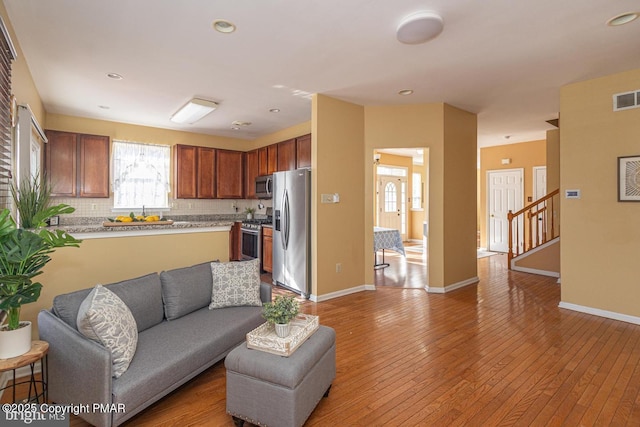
235,284
104,318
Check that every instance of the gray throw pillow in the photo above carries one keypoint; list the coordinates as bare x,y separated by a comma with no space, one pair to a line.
185,290
104,318
235,284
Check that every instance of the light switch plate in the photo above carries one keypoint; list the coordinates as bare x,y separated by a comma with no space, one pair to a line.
571,194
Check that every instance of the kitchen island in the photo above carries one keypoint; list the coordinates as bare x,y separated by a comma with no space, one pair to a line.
111,254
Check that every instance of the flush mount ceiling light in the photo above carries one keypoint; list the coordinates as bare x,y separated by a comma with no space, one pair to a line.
405,92
419,27
622,19
114,76
193,111
274,110
223,26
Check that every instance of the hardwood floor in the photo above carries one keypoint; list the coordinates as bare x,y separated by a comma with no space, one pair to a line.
409,271
497,353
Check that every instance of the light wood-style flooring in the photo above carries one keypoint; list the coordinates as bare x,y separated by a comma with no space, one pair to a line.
497,353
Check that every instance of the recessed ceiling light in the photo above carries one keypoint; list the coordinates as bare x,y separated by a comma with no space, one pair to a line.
114,76
240,123
419,27
235,128
223,26
622,19
104,107
405,92
274,110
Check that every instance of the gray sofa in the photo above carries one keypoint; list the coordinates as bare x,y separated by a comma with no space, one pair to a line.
178,338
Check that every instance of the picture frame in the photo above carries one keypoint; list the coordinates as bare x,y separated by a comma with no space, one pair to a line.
629,178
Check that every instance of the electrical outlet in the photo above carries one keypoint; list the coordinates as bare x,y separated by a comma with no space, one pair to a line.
338,268
94,206
190,205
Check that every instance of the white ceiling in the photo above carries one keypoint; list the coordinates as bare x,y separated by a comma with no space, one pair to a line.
502,59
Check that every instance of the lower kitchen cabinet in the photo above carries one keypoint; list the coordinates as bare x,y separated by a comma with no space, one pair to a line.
267,249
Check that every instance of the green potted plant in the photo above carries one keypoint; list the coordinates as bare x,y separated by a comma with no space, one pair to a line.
23,254
280,312
249,212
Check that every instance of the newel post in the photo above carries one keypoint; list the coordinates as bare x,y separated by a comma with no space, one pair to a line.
510,253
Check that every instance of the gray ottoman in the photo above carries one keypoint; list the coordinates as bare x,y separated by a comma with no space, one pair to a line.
270,390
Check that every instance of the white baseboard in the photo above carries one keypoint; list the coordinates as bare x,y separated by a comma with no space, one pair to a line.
452,287
535,271
601,313
24,371
341,293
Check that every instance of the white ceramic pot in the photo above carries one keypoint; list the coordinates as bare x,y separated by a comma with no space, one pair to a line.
15,343
283,330
249,216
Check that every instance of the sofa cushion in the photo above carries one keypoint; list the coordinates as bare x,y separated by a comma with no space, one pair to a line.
185,290
171,353
235,284
143,296
104,318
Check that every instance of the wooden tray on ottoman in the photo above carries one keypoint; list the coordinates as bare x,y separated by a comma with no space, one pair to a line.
264,337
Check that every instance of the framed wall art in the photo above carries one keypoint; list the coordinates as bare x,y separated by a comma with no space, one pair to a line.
629,179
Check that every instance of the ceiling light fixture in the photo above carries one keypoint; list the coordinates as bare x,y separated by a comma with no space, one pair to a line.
419,27
622,19
104,107
405,92
114,76
193,111
274,110
240,123
223,26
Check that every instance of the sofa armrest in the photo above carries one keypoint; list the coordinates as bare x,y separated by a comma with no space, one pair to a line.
79,369
265,292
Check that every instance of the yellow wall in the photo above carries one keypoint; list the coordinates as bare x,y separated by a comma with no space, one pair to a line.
282,135
547,259
103,261
553,159
22,85
600,236
450,136
337,162
416,217
524,155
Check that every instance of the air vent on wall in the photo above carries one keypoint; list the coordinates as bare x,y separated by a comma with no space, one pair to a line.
626,100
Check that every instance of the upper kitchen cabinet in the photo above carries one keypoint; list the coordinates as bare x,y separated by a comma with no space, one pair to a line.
251,171
77,165
272,159
303,151
230,174
194,172
287,155
263,162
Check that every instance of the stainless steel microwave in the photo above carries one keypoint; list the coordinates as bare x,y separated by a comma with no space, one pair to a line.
264,186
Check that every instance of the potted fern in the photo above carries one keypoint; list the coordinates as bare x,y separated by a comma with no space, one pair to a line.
23,254
280,312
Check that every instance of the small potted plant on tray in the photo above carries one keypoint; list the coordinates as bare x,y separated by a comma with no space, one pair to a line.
249,212
280,312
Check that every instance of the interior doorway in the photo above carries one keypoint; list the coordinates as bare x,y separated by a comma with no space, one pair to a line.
401,203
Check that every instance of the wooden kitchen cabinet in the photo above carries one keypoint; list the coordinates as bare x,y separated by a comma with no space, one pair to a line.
194,172
230,174
263,163
251,171
287,155
303,151
272,159
235,242
267,249
77,165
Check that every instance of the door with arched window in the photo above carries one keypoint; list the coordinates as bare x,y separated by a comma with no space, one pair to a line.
391,203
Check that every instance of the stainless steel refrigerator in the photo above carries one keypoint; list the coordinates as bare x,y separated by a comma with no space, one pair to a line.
292,230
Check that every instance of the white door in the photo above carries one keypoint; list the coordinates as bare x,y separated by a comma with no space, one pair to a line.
539,182
504,195
390,201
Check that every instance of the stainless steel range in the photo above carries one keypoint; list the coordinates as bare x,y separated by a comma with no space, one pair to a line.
252,236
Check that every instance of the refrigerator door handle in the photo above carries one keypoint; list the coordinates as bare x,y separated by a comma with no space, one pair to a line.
287,220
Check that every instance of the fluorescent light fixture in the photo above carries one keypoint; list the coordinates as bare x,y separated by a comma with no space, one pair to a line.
193,111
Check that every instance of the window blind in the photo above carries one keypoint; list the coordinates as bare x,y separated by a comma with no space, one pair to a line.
7,55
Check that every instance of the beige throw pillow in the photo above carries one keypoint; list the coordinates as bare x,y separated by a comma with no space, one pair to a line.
235,284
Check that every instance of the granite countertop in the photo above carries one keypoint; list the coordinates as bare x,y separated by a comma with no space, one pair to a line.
94,228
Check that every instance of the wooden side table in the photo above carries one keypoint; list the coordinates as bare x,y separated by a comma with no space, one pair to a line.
39,350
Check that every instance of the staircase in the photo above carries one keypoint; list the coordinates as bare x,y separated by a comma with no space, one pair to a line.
534,237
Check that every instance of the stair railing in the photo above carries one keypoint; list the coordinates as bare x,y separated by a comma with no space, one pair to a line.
540,224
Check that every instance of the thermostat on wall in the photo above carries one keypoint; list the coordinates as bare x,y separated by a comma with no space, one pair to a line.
571,194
